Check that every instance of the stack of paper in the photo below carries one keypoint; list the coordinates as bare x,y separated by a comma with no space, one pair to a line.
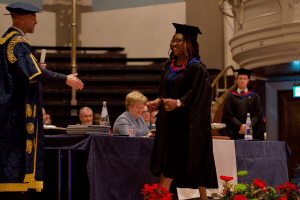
88,129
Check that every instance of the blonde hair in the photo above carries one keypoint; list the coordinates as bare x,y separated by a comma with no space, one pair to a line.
134,97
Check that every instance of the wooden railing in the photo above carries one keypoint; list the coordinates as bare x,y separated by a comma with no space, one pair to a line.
84,49
215,84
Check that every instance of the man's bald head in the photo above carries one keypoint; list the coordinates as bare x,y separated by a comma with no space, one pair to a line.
25,22
86,115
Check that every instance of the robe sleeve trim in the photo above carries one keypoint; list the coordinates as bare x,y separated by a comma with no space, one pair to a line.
34,60
32,145
11,45
29,146
21,187
3,40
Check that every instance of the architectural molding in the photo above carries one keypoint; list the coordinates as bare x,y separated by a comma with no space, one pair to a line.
269,35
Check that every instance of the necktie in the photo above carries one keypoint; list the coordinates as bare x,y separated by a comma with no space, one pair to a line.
242,92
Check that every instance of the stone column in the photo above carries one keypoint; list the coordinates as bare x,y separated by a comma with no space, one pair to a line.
207,16
63,10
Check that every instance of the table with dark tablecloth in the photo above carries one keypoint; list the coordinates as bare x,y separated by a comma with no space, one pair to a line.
265,160
118,166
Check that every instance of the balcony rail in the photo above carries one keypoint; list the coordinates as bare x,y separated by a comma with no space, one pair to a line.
215,84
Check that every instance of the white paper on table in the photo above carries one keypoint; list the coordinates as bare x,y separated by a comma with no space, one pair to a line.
225,161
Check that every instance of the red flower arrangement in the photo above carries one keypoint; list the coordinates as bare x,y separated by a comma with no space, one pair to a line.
156,192
258,183
240,197
257,190
289,190
226,178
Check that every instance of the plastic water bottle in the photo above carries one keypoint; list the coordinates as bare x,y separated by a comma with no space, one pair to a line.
104,120
248,135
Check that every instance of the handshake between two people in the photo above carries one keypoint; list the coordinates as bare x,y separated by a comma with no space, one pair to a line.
169,104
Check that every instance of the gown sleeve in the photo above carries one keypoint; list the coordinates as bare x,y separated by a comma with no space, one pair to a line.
199,78
160,87
51,78
257,111
228,108
28,65
20,54
257,120
121,126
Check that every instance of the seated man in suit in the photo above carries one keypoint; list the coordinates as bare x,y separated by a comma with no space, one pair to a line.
146,116
44,115
86,115
152,121
48,119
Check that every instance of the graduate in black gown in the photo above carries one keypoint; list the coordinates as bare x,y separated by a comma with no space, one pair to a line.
237,105
182,150
21,118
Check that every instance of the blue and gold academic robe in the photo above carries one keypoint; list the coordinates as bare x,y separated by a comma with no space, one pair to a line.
21,118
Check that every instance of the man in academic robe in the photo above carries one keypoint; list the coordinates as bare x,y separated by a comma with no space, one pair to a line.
237,105
21,118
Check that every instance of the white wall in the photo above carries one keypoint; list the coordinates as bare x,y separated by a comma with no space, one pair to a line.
44,34
5,20
101,5
143,31
37,3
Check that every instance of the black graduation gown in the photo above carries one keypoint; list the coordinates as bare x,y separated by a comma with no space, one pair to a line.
21,118
183,142
235,114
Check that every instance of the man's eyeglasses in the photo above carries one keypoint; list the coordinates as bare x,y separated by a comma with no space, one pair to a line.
176,41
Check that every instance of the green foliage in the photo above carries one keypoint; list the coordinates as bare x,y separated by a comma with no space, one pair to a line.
242,173
240,188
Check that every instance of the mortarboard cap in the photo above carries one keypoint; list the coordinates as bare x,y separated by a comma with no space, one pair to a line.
187,30
243,71
22,8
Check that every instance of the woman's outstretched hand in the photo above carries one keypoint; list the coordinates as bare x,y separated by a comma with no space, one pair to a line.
152,105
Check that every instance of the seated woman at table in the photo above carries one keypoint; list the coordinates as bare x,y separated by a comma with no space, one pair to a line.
135,102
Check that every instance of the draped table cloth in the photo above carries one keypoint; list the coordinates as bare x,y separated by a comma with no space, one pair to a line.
118,166
265,160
